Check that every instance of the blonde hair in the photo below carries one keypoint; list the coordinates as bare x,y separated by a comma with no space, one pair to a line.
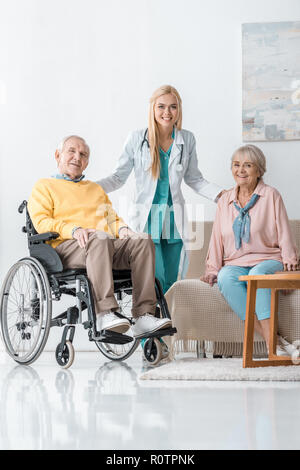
153,134
255,155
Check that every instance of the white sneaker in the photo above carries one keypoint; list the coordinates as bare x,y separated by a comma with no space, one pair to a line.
148,324
279,351
285,346
111,321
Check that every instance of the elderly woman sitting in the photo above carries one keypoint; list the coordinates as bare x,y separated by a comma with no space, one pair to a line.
251,235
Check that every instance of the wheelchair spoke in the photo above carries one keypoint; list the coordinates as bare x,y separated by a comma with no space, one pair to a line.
13,296
19,290
13,302
13,311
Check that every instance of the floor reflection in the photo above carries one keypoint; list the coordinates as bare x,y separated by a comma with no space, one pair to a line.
25,415
72,413
107,407
121,410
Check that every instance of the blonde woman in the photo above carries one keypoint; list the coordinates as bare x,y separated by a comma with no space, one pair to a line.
162,156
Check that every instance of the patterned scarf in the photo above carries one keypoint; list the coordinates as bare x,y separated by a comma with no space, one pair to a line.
241,225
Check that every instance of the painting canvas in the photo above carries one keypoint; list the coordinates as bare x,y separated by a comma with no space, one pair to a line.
271,81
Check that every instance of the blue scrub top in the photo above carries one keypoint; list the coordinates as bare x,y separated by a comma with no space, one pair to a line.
161,223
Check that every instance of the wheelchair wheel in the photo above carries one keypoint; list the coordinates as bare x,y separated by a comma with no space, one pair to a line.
120,352
66,359
153,351
25,310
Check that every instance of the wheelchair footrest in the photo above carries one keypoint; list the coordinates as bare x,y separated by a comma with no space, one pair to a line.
158,333
107,336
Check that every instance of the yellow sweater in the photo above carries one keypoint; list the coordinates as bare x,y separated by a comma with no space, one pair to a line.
58,205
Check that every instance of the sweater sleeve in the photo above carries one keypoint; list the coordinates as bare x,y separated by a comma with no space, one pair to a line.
41,208
286,241
214,259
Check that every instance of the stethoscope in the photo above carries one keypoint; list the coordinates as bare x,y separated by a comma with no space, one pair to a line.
179,166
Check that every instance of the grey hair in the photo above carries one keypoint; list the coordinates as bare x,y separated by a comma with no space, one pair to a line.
255,155
65,139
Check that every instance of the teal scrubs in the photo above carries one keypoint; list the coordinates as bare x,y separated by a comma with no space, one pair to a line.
162,228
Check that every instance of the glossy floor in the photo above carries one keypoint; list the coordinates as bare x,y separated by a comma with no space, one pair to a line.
102,405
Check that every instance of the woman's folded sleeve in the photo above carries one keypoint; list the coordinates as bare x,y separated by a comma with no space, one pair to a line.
286,240
214,259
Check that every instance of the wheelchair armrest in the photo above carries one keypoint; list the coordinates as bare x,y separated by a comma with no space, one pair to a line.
43,237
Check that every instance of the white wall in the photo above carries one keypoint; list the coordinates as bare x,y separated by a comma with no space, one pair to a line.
90,66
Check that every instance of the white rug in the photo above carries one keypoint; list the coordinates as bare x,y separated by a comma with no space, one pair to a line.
220,369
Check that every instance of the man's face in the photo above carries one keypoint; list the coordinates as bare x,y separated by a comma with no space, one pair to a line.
73,159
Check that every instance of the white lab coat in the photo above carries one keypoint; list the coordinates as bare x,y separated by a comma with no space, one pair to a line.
137,157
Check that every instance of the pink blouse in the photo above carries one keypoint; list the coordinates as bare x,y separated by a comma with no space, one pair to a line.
270,232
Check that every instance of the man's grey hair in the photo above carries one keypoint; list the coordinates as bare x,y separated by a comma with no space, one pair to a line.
63,142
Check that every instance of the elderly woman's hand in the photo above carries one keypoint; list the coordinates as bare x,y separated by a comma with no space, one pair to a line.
211,279
291,267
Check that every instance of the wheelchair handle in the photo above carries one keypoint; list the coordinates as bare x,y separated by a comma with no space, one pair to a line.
22,207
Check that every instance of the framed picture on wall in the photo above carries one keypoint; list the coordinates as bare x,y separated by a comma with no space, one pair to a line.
271,81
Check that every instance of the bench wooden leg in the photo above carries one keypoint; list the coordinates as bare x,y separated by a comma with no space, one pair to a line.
249,325
273,322
249,332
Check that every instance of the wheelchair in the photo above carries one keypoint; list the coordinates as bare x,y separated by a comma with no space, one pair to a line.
32,285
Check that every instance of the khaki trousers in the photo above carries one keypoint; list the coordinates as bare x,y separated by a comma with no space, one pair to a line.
103,253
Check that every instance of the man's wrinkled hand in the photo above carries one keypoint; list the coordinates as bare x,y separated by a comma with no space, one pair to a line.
125,232
82,235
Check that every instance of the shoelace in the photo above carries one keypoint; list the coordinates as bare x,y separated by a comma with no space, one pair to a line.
148,315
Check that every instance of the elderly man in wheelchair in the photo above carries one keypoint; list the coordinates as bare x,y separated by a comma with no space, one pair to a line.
79,246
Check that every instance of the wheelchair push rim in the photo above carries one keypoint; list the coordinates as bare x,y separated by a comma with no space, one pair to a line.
25,310
117,352
120,352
